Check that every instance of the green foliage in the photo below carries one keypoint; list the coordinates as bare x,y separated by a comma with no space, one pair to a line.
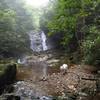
15,22
78,21
90,44
91,47
64,15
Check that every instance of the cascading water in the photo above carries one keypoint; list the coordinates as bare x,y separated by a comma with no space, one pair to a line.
43,38
31,42
35,41
38,41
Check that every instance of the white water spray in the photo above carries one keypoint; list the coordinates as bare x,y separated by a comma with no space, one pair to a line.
38,41
43,37
31,41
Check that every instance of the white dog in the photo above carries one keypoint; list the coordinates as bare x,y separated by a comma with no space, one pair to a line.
64,68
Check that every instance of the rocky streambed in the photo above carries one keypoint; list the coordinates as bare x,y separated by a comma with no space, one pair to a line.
40,79
62,87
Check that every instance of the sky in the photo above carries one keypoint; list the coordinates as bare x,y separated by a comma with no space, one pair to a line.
37,3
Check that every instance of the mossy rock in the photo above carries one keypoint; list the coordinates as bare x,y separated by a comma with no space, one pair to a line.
2,68
7,74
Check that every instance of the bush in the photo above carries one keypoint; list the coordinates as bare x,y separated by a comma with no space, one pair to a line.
92,51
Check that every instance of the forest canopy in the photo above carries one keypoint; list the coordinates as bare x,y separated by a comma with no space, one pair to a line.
16,20
77,22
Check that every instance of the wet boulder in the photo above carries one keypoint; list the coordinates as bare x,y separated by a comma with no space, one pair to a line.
12,97
7,75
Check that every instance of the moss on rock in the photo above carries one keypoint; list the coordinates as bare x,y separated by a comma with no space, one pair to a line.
7,75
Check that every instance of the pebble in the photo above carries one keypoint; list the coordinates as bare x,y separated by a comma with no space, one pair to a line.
45,98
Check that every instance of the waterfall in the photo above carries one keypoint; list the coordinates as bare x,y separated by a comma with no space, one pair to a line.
31,41
22,61
43,38
38,41
35,41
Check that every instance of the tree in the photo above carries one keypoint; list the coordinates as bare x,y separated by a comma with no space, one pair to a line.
15,22
78,21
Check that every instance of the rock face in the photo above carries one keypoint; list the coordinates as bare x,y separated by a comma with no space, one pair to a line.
7,76
54,41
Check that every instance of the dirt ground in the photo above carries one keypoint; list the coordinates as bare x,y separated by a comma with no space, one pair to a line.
79,78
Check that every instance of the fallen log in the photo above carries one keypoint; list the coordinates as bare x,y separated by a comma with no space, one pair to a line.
92,79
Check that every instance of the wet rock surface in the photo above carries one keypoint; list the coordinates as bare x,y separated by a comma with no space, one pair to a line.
29,91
